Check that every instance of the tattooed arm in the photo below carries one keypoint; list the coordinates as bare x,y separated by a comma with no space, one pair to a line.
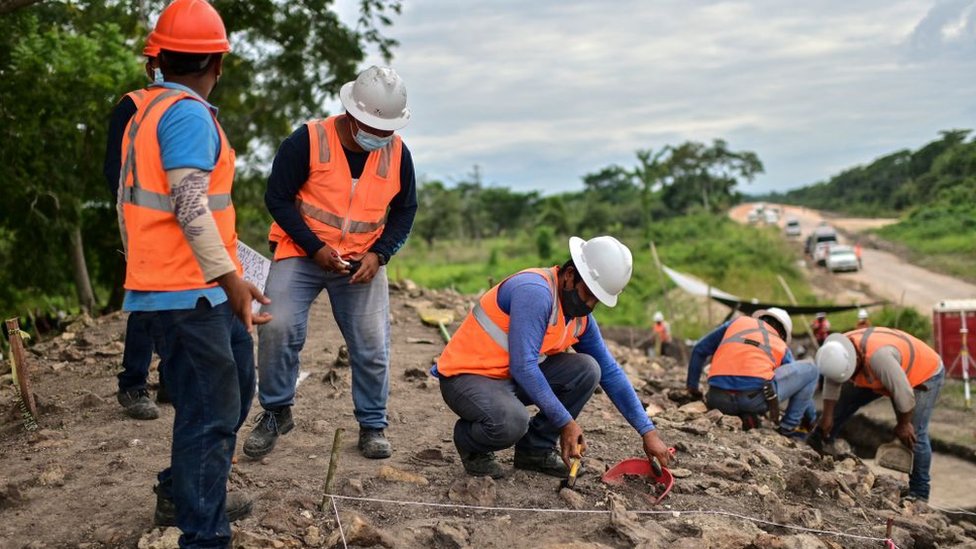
189,197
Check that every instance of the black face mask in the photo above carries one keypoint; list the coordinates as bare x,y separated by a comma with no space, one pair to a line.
573,304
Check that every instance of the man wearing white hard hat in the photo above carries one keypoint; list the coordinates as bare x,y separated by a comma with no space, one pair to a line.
883,362
863,321
752,371
342,192
512,351
660,334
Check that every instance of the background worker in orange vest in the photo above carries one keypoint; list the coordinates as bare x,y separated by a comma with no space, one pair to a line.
820,327
862,319
137,356
661,334
752,370
182,272
511,351
883,362
342,192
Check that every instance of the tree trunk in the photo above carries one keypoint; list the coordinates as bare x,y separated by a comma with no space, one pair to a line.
86,297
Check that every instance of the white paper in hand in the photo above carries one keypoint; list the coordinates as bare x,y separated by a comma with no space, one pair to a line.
256,268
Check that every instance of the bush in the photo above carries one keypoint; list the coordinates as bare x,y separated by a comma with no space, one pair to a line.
906,319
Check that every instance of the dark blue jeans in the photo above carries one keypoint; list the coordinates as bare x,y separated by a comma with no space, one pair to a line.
210,377
854,398
138,352
493,414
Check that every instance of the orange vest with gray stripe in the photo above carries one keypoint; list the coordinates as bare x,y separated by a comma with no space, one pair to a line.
158,257
480,345
347,215
918,360
750,348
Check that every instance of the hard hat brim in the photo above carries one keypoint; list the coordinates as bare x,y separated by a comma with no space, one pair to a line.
576,252
386,124
848,347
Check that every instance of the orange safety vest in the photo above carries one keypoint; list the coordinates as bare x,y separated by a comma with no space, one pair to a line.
751,348
158,257
480,345
662,332
918,360
347,215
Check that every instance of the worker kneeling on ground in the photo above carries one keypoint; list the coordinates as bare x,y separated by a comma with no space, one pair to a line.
512,351
753,371
883,362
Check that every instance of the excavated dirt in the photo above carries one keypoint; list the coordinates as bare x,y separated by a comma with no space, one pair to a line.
84,479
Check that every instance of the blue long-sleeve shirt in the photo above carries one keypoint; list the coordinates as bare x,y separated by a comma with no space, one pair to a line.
118,120
290,171
527,328
705,348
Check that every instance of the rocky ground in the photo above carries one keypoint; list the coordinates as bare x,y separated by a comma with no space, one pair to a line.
84,478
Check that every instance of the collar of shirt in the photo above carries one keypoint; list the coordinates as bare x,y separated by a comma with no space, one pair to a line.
181,87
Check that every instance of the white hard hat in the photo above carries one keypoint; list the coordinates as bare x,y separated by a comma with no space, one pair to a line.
377,98
836,358
605,265
658,316
780,316
862,314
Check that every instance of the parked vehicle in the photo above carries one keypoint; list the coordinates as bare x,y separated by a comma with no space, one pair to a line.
792,227
823,233
841,258
771,217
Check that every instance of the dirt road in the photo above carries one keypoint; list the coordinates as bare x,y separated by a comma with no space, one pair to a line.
885,274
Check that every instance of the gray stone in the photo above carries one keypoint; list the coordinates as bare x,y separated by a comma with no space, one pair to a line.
474,491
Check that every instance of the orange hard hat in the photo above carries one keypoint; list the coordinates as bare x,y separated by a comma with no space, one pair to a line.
191,26
151,49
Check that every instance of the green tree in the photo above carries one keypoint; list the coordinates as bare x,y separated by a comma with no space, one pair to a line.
696,173
438,213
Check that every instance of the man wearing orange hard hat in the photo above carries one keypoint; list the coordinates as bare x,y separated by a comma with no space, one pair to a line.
183,277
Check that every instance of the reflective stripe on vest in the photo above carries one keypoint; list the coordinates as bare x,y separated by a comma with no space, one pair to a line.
129,165
918,360
480,344
334,220
163,203
748,349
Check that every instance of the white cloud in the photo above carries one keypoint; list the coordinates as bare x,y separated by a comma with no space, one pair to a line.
540,93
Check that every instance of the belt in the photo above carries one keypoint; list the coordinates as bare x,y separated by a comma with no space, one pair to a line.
749,394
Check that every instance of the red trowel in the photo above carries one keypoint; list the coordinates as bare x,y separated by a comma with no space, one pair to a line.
643,468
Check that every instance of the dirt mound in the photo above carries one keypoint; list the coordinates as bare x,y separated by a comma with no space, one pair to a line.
85,478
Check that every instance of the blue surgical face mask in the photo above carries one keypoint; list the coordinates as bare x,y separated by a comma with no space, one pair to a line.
157,75
368,141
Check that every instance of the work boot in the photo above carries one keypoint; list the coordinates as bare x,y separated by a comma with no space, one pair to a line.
478,464
373,444
549,463
263,437
797,434
137,404
236,507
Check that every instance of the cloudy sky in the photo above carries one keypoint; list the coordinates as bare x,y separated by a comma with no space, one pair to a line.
538,94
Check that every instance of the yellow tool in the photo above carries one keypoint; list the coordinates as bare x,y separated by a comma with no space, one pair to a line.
574,466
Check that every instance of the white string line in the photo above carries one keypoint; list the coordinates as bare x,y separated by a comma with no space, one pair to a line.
339,522
604,512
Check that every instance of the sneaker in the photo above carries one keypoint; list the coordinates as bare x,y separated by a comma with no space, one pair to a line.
549,463
237,506
373,444
913,498
137,404
798,434
479,464
263,437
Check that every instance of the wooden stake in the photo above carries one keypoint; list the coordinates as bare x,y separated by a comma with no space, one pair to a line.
333,464
667,302
806,322
21,373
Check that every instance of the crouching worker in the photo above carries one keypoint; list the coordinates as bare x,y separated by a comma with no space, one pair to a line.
883,362
512,350
753,371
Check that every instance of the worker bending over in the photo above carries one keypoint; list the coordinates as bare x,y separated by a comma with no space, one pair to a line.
512,350
883,362
753,371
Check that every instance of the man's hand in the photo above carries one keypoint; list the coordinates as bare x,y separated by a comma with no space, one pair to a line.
906,434
240,293
655,448
368,267
695,393
329,260
826,426
569,437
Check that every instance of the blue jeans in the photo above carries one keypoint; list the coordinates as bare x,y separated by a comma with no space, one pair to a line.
795,382
493,414
851,400
210,361
138,352
362,312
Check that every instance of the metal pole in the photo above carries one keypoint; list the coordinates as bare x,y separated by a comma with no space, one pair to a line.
964,357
